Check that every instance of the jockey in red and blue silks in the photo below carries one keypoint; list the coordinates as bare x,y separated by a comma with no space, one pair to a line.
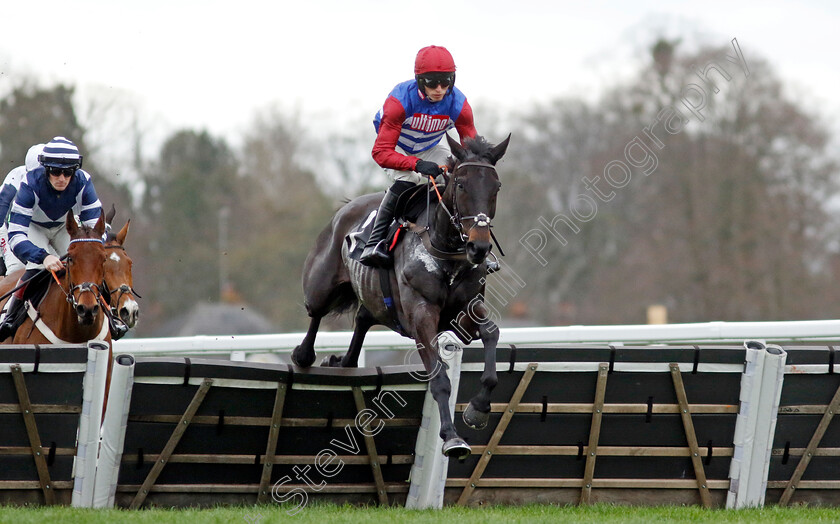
409,130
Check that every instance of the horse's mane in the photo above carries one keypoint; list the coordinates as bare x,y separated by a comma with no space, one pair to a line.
477,149
87,232
110,235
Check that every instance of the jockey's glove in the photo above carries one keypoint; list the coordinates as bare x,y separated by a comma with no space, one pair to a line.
427,168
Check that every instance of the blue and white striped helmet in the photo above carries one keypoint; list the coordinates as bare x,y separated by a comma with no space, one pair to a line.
60,152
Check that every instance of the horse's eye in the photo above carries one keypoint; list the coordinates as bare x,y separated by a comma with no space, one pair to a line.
460,185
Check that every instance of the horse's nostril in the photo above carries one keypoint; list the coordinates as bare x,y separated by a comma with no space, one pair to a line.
85,311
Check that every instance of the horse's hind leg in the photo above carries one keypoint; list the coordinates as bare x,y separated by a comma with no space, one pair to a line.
477,413
364,321
304,354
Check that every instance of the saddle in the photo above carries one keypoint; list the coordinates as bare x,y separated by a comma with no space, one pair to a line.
410,205
37,288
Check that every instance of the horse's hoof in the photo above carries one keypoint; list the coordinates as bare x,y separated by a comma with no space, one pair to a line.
331,361
300,362
474,418
456,448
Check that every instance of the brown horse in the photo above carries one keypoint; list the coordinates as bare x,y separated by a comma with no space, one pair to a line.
118,286
438,280
70,312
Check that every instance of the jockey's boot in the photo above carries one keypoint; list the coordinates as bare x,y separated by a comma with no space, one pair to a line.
376,252
14,316
117,326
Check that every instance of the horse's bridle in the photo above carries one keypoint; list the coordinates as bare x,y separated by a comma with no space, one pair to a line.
123,290
479,220
84,287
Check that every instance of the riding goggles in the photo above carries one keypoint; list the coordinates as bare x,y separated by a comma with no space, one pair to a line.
66,172
432,80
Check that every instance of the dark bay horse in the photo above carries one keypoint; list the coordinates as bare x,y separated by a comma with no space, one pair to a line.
72,311
118,286
438,280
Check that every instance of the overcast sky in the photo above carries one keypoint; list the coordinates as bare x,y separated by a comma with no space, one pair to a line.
213,64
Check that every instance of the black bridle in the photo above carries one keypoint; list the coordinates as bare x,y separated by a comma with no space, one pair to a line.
480,219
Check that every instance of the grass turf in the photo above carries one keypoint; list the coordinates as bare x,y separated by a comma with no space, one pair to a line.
320,513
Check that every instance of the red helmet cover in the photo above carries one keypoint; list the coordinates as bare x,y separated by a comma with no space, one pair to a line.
433,59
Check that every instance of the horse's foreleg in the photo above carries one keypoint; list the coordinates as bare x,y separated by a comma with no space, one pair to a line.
439,385
304,354
477,413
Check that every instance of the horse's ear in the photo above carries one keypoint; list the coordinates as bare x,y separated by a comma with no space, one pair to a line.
99,228
109,216
71,225
498,151
123,232
456,148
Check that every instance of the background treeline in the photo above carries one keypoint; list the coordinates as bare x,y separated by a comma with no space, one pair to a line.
736,219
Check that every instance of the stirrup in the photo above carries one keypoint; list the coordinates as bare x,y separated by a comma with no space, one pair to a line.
376,255
12,319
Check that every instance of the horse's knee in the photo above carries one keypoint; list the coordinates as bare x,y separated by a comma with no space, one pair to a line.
489,333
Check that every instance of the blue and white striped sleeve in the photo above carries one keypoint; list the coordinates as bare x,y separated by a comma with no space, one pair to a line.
19,220
89,206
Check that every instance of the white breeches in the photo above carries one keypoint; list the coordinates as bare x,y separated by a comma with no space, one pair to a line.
55,241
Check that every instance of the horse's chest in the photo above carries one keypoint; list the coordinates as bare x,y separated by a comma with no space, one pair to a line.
437,281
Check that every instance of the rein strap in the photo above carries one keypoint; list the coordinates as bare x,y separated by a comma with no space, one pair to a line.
423,233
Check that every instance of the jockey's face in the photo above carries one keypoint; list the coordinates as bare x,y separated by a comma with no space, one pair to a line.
435,84
60,178
437,93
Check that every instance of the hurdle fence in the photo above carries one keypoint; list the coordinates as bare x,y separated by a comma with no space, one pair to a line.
693,420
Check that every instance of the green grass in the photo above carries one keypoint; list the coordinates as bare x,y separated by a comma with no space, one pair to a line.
321,513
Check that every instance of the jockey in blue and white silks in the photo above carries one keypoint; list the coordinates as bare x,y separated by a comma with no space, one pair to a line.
37,221
37,225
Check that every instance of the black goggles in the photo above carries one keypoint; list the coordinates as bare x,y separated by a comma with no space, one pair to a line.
66,172
434,80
